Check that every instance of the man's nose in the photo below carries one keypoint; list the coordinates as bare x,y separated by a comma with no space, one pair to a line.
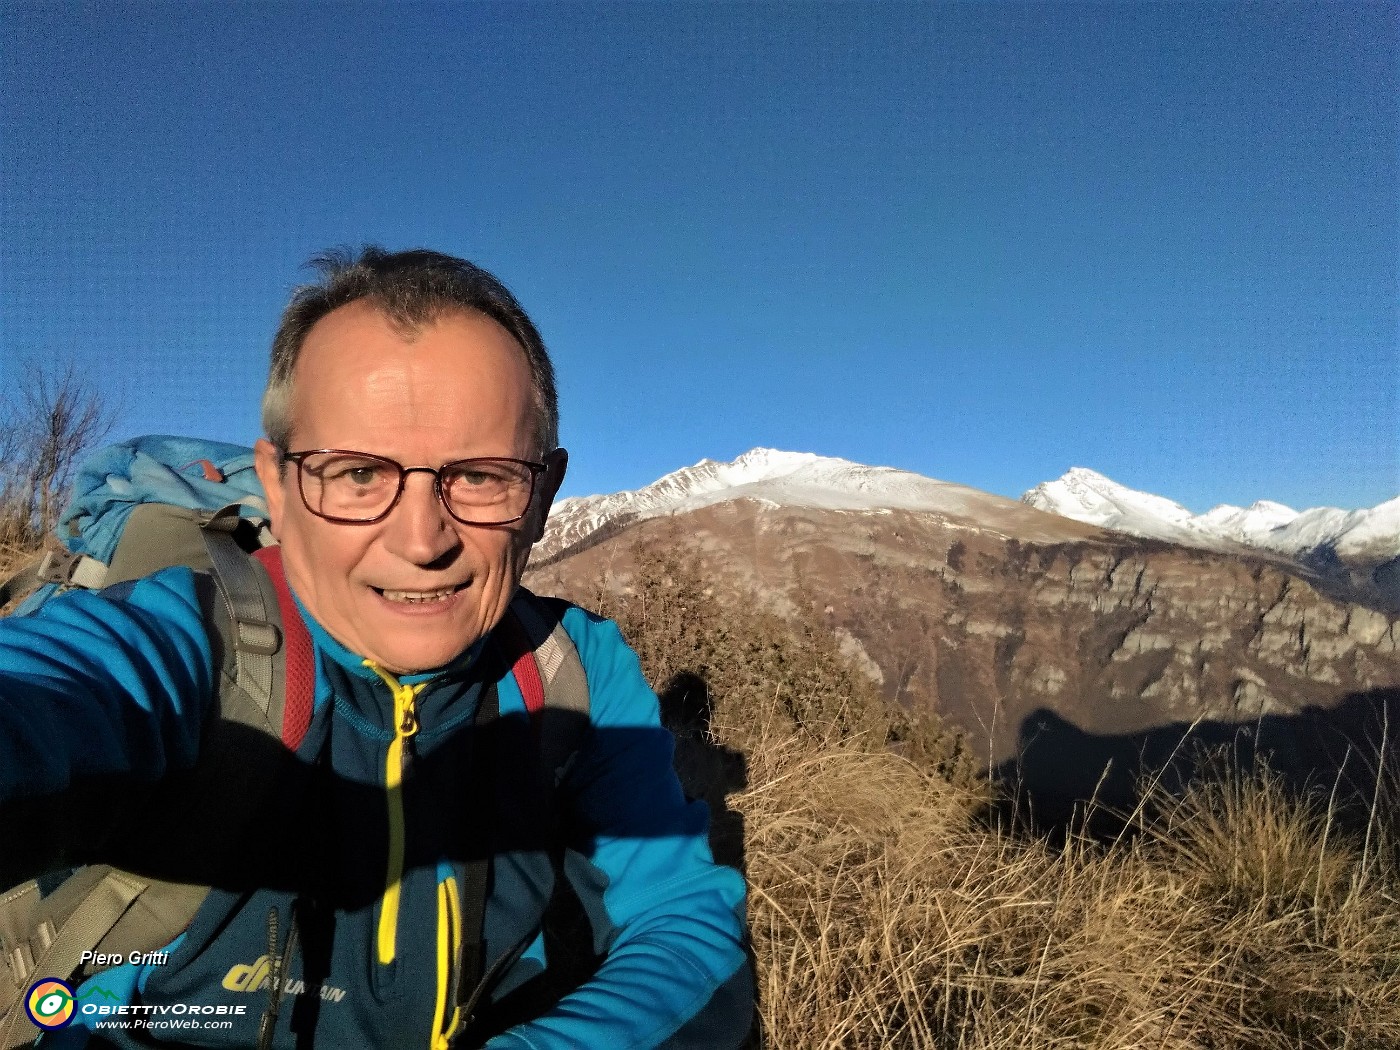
419,529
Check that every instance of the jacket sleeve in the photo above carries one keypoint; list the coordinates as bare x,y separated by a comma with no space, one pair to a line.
112,683
670,920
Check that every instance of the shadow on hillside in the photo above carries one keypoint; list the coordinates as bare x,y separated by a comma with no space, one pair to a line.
1338,753
711,772
708,770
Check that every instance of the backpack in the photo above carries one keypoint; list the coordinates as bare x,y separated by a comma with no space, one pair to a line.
155,502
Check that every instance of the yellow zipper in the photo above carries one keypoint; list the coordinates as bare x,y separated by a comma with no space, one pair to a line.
405,725
449,933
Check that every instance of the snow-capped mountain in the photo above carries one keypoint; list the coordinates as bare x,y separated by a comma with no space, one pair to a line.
1359,549
993,612
1088,496
776,478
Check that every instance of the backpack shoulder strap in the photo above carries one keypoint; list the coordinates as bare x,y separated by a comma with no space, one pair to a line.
533,645
249,621
545,663
547,668
299,674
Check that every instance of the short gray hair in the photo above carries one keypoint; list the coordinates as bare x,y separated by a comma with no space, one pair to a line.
411,289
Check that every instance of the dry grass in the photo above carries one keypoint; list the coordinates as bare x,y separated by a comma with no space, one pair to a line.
885,913
886,909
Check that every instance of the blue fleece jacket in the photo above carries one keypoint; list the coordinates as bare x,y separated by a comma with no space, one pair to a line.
378,832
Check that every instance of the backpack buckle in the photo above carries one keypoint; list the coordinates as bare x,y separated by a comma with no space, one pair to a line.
257,637
72,570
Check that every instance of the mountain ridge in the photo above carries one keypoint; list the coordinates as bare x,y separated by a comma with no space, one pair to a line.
1317,535
791,479
1000,612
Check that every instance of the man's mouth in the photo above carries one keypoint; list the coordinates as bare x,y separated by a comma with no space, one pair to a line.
419,597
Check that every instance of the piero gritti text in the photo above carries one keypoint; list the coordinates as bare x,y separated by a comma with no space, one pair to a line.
140,958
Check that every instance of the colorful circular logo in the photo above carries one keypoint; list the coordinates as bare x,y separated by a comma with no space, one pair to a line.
49,1003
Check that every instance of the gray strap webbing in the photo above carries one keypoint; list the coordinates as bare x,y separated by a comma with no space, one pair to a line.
17,924
88,924
17,583
155,919
561,671
256,639
565,683
61,567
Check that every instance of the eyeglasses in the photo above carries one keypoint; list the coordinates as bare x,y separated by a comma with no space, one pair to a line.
356,488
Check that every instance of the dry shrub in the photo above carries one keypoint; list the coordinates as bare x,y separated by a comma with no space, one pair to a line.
49,419
12,557
886,911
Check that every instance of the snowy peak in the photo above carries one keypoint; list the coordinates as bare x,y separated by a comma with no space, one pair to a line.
1376,533
772,462
709,476
1356,553
1238,523
1088,496
771,476
779,477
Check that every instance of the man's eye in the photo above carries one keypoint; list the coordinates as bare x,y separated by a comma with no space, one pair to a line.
362,475
358,474
480,476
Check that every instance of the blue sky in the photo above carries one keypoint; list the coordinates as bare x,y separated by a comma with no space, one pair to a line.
984,242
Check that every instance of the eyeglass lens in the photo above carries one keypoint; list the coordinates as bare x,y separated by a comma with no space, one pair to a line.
360,487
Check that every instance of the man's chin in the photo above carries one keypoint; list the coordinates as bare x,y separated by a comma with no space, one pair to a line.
410,644
418,658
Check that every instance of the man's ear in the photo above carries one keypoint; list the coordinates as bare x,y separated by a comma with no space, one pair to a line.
558,463
267,464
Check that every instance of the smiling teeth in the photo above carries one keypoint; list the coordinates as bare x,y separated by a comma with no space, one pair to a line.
419,596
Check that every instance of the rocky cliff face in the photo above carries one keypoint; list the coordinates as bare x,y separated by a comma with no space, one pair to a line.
999,624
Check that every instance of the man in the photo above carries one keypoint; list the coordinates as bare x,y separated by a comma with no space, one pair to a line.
409,466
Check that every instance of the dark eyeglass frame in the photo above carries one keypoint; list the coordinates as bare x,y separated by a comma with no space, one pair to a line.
536,469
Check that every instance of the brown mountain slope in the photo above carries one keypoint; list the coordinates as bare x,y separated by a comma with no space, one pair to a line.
997,623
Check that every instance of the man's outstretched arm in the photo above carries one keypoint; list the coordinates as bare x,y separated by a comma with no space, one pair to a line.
101,685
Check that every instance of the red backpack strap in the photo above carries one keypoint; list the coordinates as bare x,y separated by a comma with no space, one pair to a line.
519,656
300,674
547,670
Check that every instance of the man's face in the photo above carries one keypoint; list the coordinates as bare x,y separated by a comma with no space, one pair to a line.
457,388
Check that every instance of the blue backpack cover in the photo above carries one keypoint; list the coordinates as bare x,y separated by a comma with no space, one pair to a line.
192,473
